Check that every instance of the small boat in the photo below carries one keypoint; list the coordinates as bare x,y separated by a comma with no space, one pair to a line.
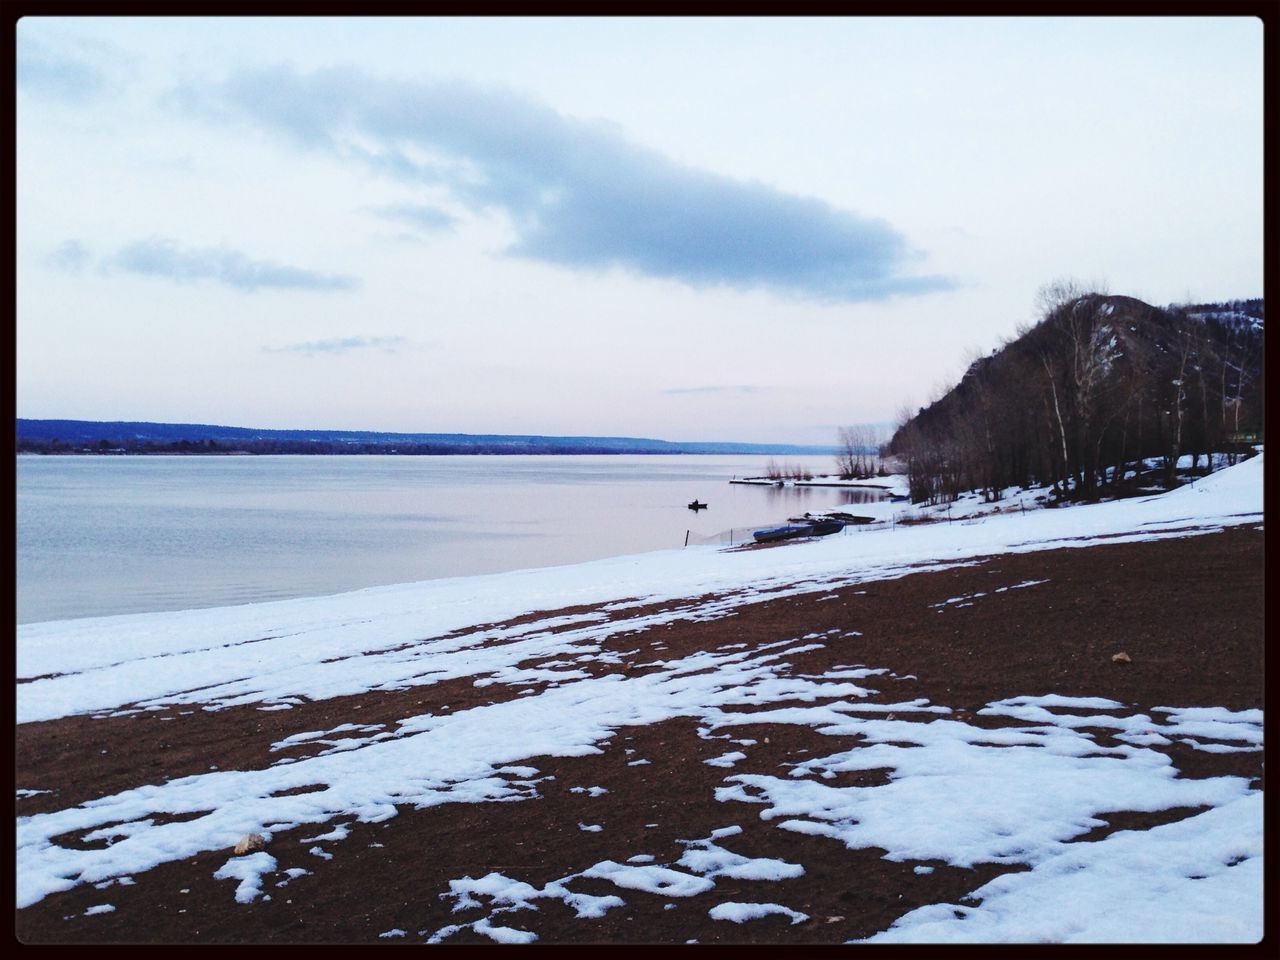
816,528
848,518
696,506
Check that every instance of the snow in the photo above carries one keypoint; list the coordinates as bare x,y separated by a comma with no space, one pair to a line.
966,795
711,860
340,832
249,871
742,912
649,879
292,873
1182,882
957,793
122,881
100,908
726,759
503,934
500,889
506,895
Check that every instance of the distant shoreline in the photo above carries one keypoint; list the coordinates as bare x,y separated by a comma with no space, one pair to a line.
435,453
120,438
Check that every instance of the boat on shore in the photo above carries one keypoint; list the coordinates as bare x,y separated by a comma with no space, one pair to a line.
815,528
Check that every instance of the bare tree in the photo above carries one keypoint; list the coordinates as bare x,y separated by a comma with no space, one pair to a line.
847,456
1185,343
859,446
1077,348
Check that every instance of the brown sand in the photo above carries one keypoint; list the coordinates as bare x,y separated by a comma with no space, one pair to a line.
1188,612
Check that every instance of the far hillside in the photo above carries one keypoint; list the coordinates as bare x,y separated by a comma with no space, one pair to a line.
121,437
1102,397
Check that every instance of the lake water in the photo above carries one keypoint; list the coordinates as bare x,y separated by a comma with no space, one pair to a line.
108,535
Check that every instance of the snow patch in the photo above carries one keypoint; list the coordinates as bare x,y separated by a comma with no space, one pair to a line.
249,871
742,912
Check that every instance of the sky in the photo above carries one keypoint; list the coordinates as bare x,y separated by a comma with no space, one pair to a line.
741,229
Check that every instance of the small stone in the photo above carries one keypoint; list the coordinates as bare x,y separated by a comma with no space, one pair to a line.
250,842
1121,658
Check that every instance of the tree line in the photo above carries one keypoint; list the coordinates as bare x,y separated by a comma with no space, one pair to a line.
1081,398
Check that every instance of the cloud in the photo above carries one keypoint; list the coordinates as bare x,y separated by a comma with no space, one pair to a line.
42,71
71,256
161,257
735,388
577,193
341,345
425,218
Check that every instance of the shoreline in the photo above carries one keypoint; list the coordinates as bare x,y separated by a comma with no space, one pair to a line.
641,749
1163,621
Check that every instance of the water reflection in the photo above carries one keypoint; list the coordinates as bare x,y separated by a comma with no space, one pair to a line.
829,496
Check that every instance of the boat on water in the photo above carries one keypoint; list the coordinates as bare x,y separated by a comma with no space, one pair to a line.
814,528
696,506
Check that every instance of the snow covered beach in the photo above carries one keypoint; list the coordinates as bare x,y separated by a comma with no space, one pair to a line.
697,744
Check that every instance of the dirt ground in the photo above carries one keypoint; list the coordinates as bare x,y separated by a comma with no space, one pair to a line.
1187,612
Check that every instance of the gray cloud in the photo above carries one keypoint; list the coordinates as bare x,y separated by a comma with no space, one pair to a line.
579,194
736,388
341,345
429,219
161,257
42,71
71,256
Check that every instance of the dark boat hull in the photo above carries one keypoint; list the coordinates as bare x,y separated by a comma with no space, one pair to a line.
820,528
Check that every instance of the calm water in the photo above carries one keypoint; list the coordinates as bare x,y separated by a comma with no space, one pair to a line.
105,535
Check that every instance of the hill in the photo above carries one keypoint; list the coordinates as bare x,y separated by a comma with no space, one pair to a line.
1088,396
90,436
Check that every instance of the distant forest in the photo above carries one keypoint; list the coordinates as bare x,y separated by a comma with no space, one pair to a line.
1084,397
94,437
